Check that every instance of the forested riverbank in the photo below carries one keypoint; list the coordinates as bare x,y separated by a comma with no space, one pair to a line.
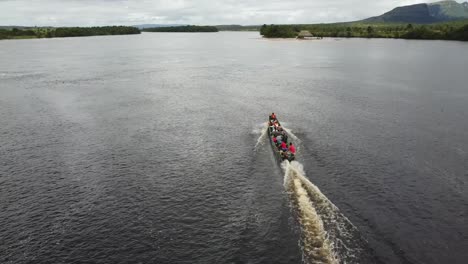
457,30
61,32
189,28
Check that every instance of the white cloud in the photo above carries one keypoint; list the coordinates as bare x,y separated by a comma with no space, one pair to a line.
208,12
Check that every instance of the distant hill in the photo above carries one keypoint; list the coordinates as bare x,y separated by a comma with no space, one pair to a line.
442,11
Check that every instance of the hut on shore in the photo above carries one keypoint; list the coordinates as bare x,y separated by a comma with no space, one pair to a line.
303,34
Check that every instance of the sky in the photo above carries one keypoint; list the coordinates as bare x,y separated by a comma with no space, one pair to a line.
198,12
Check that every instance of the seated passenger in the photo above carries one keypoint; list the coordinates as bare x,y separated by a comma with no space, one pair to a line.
279,139
271,127
292,149
274,139
284,155
273,116
284,147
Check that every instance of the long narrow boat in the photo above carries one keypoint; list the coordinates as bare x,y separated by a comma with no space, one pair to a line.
276,150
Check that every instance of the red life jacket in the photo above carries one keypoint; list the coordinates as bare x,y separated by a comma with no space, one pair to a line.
292,149
283,145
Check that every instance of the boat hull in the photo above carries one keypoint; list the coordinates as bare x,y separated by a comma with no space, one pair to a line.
276,151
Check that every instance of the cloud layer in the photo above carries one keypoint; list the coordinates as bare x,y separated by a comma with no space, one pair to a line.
201,12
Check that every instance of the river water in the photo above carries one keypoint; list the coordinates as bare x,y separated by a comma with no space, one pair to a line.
150,149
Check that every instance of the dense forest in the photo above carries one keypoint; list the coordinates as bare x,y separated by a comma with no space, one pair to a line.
189,28
16,33
237,28
457,30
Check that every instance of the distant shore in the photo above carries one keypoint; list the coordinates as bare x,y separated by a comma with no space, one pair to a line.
455,30
182,29
31,33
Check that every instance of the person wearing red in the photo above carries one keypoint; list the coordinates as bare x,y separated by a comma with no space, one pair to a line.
284,147
273,116
292,148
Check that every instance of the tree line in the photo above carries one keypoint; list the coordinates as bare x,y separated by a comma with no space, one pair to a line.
279,31
189,28
60,32
237,28
457,30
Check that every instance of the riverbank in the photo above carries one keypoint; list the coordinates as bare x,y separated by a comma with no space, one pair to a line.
30,33
182,29
457,30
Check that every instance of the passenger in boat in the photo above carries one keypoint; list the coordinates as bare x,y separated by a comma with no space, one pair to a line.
292,149
274,140
285,137
273,116
276,124
279,139
271,126
284,147
275,133
284,155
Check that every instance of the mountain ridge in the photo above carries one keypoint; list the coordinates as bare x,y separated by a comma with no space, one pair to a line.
424,13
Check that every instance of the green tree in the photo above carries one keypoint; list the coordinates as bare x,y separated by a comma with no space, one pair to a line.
348,32
370,31
263,29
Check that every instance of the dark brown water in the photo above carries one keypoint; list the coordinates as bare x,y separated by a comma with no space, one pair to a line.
141,149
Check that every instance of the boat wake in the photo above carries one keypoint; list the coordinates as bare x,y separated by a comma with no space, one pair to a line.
262,129
327,236
315,242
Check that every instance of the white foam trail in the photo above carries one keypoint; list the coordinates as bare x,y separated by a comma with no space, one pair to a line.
263,131
341,236
316,246
313,190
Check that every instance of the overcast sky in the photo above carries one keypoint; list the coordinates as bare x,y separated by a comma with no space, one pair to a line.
200,12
